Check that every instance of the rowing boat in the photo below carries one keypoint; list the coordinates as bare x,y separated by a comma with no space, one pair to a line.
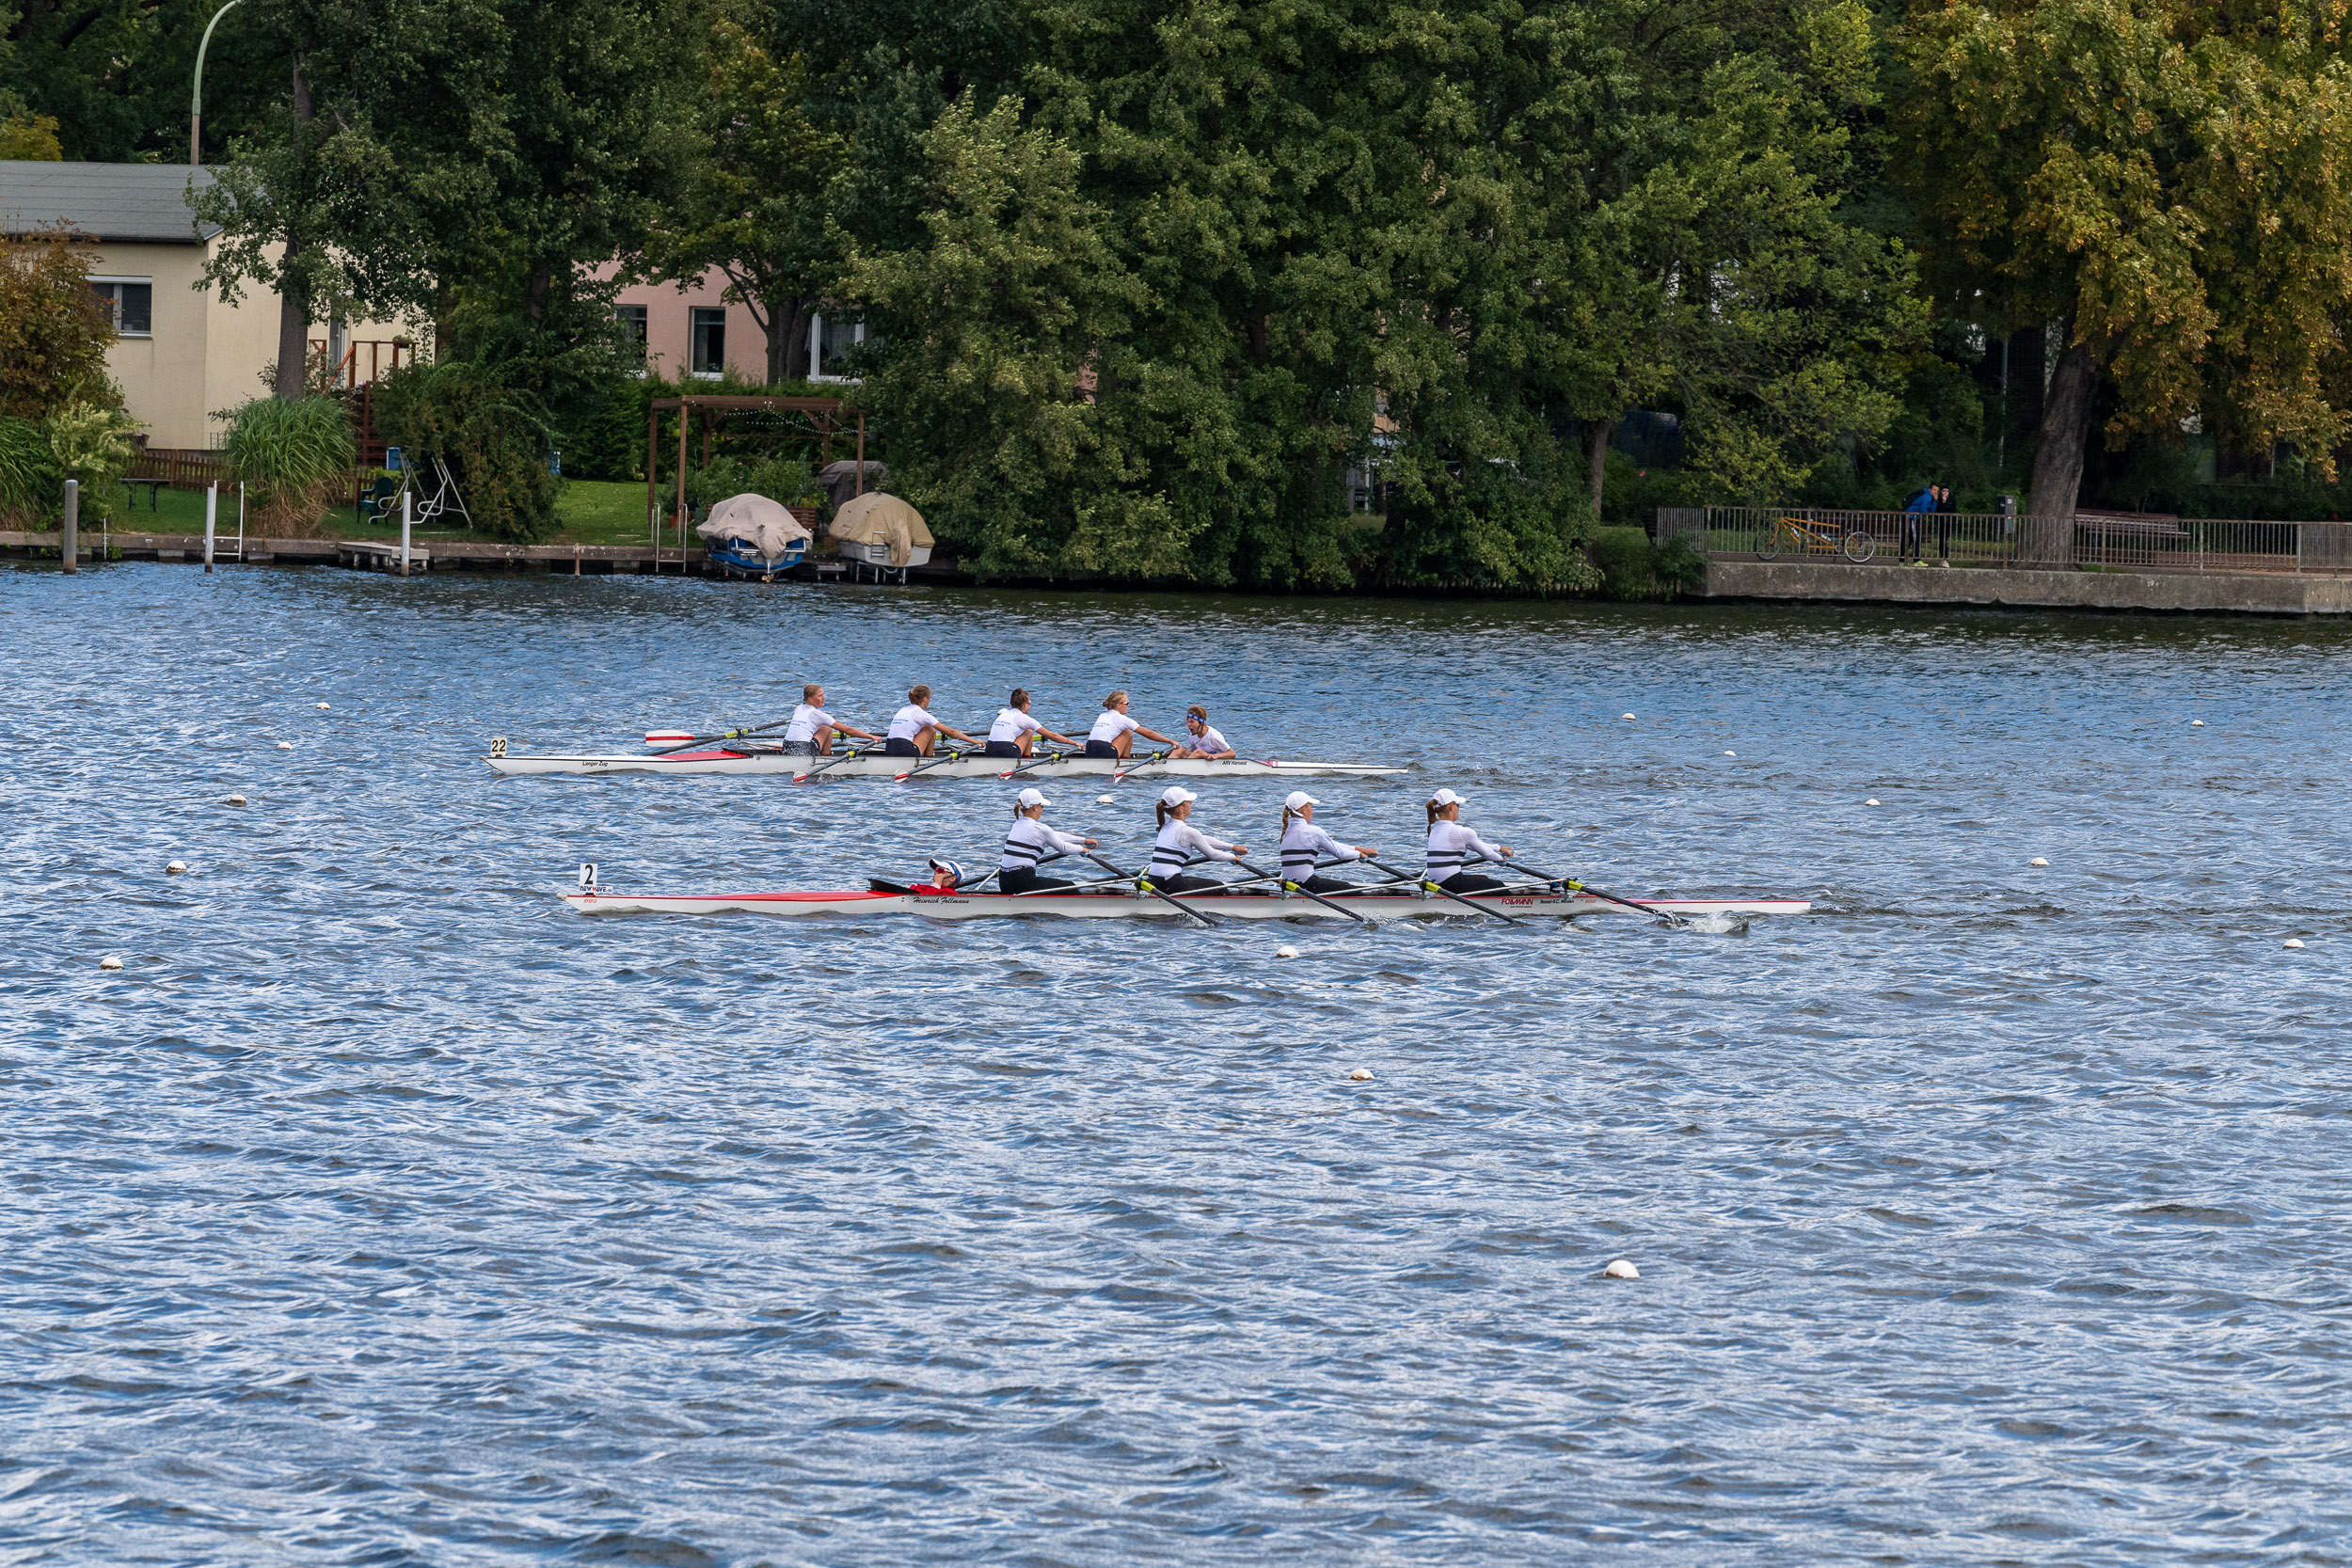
873,764
1125,903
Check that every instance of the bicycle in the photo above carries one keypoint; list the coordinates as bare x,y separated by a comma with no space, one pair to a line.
1803,536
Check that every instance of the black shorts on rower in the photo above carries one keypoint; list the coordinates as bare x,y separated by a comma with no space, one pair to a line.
898,746
1102,749
1026,879
1000,748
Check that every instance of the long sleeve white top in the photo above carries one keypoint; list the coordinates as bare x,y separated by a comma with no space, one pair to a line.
1178,842
1449,844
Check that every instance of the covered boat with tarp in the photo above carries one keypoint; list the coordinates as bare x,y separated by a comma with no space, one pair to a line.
755,536
877,530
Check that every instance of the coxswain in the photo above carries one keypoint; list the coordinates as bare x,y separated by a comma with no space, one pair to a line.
1015,731
1114,732
1451,844
1205,743
913,732
811,732
1029,841
946,875
1303,844
1179,841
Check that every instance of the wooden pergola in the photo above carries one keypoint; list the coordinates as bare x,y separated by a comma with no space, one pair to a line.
823,413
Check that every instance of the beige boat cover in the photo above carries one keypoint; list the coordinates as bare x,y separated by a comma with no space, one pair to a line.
877,518
765,525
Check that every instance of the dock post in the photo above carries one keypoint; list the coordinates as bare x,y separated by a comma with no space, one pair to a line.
405,521
72,525
212,509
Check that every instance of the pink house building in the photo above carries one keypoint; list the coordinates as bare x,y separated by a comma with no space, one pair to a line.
694,333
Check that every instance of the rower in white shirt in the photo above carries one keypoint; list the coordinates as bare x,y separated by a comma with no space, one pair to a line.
1205,742
811,732
1451,844
1179,841
1015,731
1303,844
1114,732
913,732
1029,841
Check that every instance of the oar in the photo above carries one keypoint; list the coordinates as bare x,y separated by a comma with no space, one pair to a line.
1300,888
1572,884
951,756
1424,882
692,741
849,754
1033,762
1119,774
1137,878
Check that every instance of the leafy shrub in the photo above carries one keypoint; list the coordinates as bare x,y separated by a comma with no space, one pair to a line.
91,443
31,483
291,456
787,480
53,332
493,435
1632,568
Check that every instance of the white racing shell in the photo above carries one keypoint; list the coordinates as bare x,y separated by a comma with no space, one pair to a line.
1125,903
876,766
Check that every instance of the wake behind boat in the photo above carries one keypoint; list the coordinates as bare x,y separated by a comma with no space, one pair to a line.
752,758
1128,903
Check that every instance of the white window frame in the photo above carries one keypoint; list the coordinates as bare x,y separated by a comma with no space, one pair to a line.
816,352
125,278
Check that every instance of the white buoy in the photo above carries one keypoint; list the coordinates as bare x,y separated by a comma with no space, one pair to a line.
1870,802
2196,724
110,963
322,707
2037,861
1105,800
175,868
236,799
1731,754
1629,716
1286,951
2292,941
285,745
1362,1075
1621,1268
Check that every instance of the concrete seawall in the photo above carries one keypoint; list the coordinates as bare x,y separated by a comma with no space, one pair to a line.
2240,593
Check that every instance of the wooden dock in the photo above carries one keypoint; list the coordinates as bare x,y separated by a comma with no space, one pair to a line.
372,555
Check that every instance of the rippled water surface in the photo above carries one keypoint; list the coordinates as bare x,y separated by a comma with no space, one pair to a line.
382,1209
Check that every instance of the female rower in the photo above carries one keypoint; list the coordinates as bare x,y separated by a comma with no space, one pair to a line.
1449,844
1029,841
1206,743
1015,731
1114,732
1179,841
1303,842
811,729
913,732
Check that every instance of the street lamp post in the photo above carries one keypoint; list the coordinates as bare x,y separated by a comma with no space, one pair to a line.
196,94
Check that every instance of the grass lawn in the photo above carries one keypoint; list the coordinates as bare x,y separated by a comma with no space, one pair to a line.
592,512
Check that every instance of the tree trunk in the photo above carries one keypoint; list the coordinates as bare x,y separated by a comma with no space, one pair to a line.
2057,466
294,287
1596,459
793,357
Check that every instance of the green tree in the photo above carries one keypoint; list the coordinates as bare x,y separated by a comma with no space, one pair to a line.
53,332
2169,184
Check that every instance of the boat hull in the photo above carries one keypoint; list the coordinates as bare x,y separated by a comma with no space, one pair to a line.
722,762
1130,905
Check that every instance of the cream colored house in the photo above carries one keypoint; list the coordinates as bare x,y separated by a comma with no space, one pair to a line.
183,355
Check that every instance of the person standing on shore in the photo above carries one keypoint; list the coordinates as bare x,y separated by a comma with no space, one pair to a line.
1946,508
1914,509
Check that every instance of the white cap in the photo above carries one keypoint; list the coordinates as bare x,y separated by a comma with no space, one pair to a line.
1447,798
1031,798
1176,795
1298,799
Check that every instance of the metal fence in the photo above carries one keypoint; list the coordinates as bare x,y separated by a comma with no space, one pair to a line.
1965,539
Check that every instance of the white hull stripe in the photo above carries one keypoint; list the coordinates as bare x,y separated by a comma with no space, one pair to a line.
1125,905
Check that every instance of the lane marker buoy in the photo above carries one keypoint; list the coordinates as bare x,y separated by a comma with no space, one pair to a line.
322,707
175,868
110,963
2292,942
1621,1268
1629,716
1731,754
1286,951
285,745
1362,1075
236,799
2037,861
1104,800
2196,724
1870,802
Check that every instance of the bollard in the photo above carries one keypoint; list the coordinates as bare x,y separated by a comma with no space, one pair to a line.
405,520
72,525
212,507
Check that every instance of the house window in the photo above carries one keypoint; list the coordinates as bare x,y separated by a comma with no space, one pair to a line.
829,346
131,303
709,351
632,320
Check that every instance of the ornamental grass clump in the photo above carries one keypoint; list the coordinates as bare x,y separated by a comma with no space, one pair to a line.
292,457
32,486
